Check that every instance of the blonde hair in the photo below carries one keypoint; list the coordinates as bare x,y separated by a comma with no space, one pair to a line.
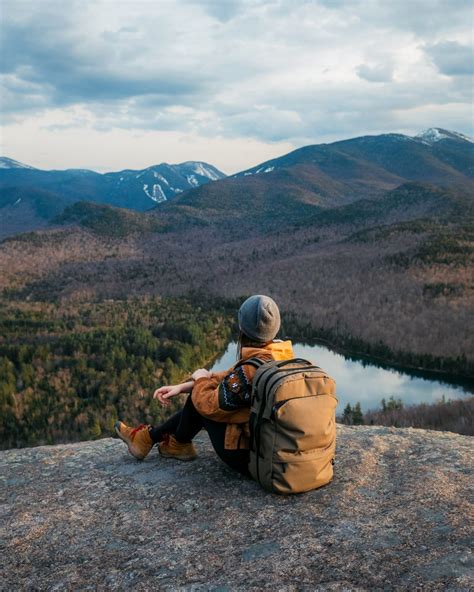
245,341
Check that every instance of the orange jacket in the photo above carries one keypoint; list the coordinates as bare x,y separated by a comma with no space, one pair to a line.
225,397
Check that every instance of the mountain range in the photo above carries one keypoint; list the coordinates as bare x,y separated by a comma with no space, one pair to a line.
290,187
30,197
330,175
367,242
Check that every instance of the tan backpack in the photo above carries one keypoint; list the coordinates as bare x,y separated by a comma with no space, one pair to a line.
292,425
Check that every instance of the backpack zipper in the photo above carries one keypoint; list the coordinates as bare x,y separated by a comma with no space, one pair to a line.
281,403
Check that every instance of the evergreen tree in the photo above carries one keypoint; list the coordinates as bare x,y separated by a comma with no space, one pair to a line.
391,404
68,372
357,415
347,415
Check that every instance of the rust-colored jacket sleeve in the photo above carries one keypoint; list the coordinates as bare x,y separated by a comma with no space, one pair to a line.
221,374
226,396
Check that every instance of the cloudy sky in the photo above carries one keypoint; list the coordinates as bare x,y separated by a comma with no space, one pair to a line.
111,84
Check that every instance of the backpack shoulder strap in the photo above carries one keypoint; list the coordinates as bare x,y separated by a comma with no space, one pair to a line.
255,362
282,363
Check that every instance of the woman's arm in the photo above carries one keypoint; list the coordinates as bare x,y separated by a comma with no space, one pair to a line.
166,392
227,398
187,387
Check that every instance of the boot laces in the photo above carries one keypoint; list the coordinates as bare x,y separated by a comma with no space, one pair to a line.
134,432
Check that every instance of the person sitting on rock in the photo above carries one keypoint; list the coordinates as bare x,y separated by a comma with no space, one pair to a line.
219,402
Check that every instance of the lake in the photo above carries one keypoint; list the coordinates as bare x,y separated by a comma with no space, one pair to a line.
365,382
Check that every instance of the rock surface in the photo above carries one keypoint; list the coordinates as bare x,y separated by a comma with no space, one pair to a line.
89,517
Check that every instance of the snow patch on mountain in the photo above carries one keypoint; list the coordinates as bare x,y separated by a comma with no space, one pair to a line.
161,178
9,163
192,180
464,137
263,169
432,135
157,194
435,134
202,170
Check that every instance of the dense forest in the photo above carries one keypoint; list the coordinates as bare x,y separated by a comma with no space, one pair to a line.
378,280
69,371
98,311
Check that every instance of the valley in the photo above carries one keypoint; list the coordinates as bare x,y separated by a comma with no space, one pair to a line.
401,291
384,271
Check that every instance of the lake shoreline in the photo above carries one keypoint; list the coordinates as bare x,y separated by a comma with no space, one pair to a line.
365,380
466,381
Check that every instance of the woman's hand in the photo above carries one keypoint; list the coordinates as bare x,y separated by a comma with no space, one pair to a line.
166,392
201,373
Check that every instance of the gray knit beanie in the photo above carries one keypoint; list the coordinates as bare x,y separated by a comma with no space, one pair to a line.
259,318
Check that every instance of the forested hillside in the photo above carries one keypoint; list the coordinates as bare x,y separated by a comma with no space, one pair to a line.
69,371
390,277
291,187
324,176
109,302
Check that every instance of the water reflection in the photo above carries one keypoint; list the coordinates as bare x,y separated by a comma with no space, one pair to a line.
363,382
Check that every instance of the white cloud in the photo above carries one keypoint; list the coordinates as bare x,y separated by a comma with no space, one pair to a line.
375,72
231,72
83,146
452,58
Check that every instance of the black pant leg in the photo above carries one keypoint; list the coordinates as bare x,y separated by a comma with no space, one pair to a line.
188,422
158,433
184,425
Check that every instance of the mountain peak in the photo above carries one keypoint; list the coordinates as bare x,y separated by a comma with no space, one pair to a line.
435,134
203,169
133,189
9,163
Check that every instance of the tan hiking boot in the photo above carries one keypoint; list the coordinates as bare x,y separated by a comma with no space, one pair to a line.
171,448
138,439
